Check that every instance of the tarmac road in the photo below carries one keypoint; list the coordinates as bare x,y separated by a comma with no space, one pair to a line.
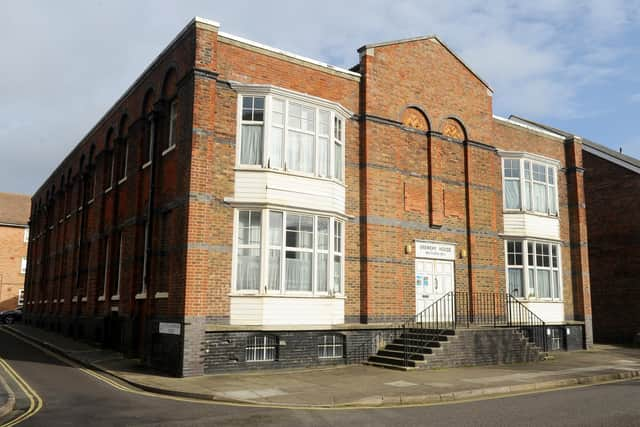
74,396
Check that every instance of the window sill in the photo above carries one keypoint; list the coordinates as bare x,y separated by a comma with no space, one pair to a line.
141,296
146,165
55,301
115,298
108,190
74,299
90,202
61,301
539,300
101,298
115,308
84,299
122,180
168,150
161,295
540,214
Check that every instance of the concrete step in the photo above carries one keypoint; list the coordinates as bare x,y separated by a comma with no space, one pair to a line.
396,361
387,366
400,354
416,348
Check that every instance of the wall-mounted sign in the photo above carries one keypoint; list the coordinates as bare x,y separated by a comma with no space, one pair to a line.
169,328
435,250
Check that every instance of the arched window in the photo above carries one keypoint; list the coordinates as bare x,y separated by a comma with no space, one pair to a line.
169,91
108,160
91,175
123,149
149,133
69,193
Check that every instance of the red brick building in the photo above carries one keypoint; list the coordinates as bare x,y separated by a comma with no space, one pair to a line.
14,235
241,207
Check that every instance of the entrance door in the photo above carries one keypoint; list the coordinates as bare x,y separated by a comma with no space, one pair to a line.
433,280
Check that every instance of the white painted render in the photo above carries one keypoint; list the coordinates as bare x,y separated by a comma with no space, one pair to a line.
531,226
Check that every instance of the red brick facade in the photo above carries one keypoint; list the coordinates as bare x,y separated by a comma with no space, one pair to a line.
421,162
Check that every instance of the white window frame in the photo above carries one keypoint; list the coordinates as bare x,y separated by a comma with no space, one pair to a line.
328,344
26,235
526,266
265,246
20,297
287,96
116,295
173,123
23,265
105,276
258,347
531,159
123,177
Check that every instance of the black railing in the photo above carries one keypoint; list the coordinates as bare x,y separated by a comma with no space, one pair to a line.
467,310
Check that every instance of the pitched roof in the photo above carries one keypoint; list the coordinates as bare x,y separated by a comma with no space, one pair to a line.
429,37
15,208
606,153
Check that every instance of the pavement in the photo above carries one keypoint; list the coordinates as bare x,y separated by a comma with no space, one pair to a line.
356,385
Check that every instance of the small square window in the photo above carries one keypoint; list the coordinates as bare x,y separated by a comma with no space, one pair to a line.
331,347
262,348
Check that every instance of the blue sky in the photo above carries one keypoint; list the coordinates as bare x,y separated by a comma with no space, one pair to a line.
570,64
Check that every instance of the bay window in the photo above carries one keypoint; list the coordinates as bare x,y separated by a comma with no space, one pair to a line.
529,186
296,253
286,131
533,269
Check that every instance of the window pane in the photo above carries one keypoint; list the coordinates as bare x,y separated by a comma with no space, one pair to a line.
274,269
539,197
553,209
322,273
251,145
337,128
556,285
275,228
298,271
532,283
539,172
308,119
511,168
324,123
512,193
528,195
527,169
248,269
295,115
544,284
247,103
337,161
551,175
323,156
275,148
337,236
516,285
300,153
337,273
277,112
323,234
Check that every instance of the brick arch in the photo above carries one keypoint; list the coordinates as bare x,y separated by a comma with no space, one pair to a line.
147,103
170,82
123,125
415,117
452,127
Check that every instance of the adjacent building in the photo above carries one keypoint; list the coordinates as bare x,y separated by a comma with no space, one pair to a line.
14,238
242,207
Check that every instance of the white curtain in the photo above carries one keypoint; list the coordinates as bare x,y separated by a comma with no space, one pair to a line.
337,160
515,282
337,273
323,264
274,269
539,197
298,271
275,147
544,283
323,156
512,193
552,201
248,269
251,145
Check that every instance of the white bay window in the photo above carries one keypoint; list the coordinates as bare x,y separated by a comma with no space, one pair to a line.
529,185
296,253
533,270
283,130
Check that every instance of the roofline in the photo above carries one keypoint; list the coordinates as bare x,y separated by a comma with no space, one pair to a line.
419,38
599,150
128,91
529,127
288,54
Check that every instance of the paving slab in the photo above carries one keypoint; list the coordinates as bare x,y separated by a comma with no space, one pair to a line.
358,385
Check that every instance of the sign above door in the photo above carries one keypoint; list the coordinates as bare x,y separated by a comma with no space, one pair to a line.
435,250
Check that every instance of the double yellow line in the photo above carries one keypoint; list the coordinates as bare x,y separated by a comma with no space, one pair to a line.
35,401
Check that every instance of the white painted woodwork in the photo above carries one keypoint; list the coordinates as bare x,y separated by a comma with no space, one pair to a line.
280,310
286,189
550,312
528,225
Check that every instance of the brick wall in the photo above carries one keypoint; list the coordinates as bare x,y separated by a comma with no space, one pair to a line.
612,217
12,249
